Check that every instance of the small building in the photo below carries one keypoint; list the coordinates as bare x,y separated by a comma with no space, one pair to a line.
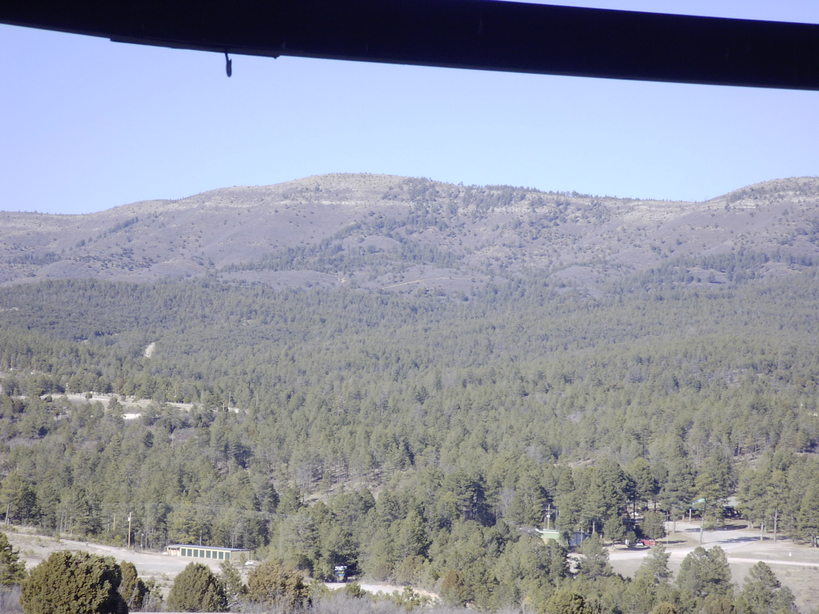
205,552
577,538
573,540
548,535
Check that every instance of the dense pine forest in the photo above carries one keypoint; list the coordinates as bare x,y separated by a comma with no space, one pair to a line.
418,437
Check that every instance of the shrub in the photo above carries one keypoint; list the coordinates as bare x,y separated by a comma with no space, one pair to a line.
132,588
197,589
12,569
73,583
231,581
453,591
566,601
271,583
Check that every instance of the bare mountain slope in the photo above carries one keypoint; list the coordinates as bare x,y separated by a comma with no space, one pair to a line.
388,232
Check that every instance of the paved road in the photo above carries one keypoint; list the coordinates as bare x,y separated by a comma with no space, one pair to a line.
739,544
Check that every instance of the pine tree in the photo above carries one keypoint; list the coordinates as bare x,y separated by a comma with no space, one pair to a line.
703,573
762,593
411,538
595,561
653,525
655,566
18,499
807,515
645,485
232,582
12,569
677,492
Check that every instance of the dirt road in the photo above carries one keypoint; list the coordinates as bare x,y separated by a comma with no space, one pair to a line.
150,565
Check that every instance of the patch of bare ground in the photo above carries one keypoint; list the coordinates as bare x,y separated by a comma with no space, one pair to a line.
382,588
131,407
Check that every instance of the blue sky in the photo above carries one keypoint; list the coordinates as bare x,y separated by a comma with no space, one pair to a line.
87,124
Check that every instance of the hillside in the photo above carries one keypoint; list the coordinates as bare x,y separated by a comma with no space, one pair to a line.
408,377
393,233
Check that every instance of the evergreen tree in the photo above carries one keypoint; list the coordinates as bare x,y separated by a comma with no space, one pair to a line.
614,528
646,487
569,503
231,581
529,501
196,588
678,491
655,566
713,484
807,515
595,561
453,591
653,525
556,562
650,586
379,559
566,601
273,584
411,538
132,588
717,604
18,500
704,573
12,569
762,593
73,582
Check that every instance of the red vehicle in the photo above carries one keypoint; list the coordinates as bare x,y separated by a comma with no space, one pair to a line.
647,542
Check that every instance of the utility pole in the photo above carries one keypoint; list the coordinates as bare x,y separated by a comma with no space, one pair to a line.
704,502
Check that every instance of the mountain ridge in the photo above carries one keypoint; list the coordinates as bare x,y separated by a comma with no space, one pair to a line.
392,232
